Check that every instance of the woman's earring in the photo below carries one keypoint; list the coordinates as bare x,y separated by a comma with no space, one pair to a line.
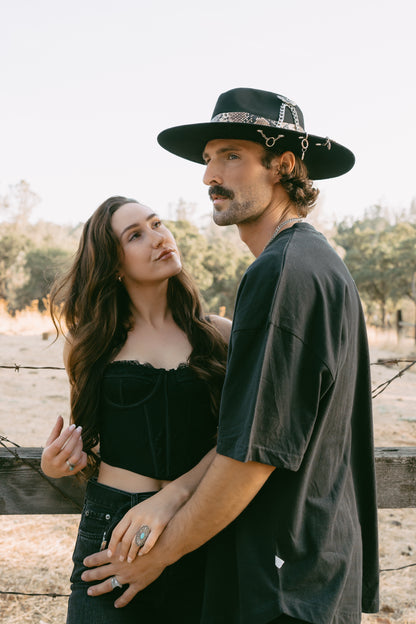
120,279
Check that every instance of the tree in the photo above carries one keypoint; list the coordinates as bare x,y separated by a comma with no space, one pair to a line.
11,256
404,272
29,251
226,261
18,204
381,257
42,267
216,259
404,260
193,248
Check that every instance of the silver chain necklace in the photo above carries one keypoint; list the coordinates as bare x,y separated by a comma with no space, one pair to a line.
280,226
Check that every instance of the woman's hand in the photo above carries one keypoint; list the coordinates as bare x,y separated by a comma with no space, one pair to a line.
154,513
63,455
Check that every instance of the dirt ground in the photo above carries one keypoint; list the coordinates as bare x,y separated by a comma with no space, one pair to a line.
35,551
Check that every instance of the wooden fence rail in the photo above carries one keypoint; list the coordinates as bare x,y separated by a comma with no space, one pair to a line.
24,490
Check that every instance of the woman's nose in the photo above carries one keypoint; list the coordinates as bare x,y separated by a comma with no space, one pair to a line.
158,238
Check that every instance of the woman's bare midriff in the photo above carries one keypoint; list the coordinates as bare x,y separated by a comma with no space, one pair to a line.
127,480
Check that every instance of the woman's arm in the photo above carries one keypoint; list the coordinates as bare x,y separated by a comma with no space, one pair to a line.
156,512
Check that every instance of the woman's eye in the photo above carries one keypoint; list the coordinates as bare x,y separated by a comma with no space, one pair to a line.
157,224
134,236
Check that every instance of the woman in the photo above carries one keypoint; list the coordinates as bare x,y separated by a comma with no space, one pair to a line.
146,370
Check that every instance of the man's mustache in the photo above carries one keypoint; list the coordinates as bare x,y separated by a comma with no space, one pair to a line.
220,191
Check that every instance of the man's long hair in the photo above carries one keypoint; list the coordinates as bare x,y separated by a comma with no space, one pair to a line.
296,183
94,307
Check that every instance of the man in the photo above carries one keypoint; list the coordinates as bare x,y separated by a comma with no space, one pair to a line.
290,494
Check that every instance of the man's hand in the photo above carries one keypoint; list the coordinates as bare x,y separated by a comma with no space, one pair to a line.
137,575
226,489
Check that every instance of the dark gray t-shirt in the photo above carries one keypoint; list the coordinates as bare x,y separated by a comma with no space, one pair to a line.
297,396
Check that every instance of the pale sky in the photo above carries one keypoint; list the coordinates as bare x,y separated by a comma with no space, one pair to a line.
87,85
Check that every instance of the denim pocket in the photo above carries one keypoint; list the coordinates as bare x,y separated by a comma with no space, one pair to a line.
93,535
95,520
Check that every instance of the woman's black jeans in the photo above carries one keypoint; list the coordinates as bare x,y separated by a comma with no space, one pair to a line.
177,593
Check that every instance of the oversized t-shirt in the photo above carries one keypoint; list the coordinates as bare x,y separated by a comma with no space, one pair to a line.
297,396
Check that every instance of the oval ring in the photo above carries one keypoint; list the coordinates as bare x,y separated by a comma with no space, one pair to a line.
142,535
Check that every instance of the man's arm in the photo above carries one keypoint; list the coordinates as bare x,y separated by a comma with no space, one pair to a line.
226,489
155,512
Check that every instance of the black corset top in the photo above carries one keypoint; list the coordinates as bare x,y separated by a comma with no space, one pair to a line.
153,421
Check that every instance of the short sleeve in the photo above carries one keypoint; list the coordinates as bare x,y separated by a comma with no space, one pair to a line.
271,398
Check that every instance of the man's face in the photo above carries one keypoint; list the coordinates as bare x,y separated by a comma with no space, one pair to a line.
241,188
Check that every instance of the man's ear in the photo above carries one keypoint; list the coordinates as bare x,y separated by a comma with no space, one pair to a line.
287,163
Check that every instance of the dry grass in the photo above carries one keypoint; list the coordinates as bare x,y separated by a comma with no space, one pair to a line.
36,558
35,551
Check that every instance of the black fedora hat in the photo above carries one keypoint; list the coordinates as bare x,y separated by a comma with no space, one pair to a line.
266,118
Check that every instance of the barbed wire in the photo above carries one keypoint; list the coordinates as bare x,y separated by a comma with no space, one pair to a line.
374,393
409,565
17,367
50,595
380,388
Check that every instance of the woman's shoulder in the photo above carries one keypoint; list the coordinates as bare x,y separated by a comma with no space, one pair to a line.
223,325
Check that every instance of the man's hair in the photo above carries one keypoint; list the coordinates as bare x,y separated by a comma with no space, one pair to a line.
296,183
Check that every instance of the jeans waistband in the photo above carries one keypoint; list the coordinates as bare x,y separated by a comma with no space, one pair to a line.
113,497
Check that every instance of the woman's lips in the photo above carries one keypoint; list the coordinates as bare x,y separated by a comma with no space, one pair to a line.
166,253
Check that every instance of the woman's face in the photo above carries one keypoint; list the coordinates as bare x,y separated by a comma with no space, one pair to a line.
150,253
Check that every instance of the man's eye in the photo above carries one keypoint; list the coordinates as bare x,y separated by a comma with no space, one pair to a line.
232,156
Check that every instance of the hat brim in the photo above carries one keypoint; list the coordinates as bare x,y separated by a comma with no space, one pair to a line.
323,159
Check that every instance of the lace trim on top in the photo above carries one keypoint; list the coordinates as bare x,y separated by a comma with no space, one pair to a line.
180,366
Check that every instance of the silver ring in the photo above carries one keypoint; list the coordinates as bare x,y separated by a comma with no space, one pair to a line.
141,535
70,466
115,583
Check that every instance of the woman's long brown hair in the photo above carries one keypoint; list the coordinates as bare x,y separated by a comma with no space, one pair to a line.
94,307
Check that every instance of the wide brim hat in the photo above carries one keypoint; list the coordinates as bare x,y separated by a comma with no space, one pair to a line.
264,117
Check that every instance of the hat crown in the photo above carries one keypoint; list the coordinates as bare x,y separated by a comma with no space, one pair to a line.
261,104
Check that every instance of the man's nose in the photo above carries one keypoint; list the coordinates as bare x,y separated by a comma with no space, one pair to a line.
212,175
